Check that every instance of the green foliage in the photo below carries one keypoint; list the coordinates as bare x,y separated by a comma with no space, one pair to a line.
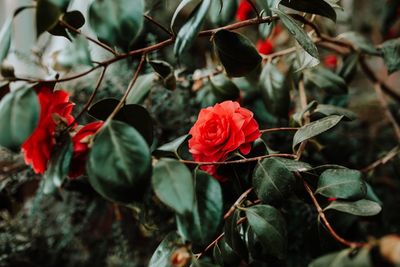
236,53
5,38
362,207
162,255
173,184
319,7
222,12
117,23
341,183
17,124
326,80
121,146
391,55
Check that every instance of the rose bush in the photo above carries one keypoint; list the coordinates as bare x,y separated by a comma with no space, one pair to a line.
220,130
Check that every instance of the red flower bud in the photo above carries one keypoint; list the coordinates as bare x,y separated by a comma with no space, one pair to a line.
330,61
265,47
244,11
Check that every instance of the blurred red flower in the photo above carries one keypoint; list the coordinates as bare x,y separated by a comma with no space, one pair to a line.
54,108
265,47
244,10
330,61
220,130
81,148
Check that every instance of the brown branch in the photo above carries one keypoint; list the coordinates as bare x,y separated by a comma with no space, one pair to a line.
385,106
201,163
388,157
279,129
306,116
129,89
326,222
164,29
238,202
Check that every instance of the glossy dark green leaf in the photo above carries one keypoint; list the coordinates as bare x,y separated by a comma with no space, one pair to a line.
19,115
222,15
47,15
298,33
233,237
223,88
265,29
275,91
272,181
172,148
141,88
391,55
74,54
73,18
345,258
223,253
328,110
319,7
117,22
270,228
326,80
188,32
342,184
134,115
5,38
162,255
58,166
119,163
179,8
173,184
236,53
315,128
362,207
295,165
166,72
304,60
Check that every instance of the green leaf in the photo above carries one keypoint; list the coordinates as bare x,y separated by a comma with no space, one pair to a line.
348,68
342,183
188,33
201,226
304,60
223,88
19,115
275,91
222,16
181,5
134,115
73,18
272,181
202,263
319,7
47,15
315,128
117,22
298,33
265,29
141,88
171,149
360,42
173,184
223,253
162,255
328,110
270,228
391,55
166,72
232,235
294,165
345,258
74,54
236,53
362,207
58,166
119,163
5,38
327,80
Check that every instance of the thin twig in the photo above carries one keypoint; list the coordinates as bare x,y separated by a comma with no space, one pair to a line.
306,116
280,129
100,44
238,202
129,89
388,157
202,163
164,29
326,222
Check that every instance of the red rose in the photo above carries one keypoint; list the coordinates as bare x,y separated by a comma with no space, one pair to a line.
265,47
38,147
220,130
81,148
244,11
330,61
